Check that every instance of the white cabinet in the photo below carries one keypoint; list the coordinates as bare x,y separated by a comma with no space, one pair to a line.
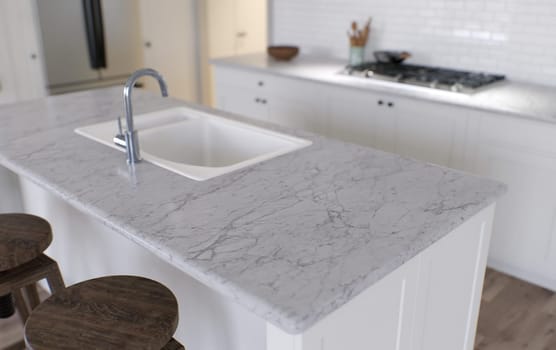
21,66
229,28
242,93
430,132
425,131
250,25
298,105
295,112
353,116
168,33
422,130
235,27
274,99
522,154
244,102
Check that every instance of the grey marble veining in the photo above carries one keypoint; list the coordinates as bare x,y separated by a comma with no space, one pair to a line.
291,239
508,97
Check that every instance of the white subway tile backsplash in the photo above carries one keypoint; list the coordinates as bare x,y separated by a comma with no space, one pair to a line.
512,37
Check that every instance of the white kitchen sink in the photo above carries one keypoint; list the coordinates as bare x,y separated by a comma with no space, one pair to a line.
196,144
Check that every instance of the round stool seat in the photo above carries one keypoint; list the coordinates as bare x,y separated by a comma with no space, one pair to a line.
23,237
116,312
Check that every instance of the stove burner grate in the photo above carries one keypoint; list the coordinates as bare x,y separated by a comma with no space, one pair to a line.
434,77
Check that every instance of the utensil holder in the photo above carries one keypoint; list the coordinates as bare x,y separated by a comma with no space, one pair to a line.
356,55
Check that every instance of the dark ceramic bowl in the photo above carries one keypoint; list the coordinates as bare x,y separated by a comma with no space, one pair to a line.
283,53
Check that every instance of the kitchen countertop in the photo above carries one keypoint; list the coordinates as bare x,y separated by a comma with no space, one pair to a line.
291,239
506,97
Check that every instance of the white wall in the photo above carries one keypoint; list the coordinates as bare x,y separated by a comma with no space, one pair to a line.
513,37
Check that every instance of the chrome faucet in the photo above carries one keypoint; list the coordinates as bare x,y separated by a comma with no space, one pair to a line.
129,139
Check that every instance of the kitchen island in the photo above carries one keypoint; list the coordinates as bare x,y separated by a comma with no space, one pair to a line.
332,246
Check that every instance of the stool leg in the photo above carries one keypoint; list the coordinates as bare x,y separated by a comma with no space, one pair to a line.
21,305
173,344
32,295
55,280
6,305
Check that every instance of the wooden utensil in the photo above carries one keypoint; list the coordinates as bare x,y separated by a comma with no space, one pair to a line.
358,37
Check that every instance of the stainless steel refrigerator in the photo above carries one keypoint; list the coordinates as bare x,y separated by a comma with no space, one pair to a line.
89,43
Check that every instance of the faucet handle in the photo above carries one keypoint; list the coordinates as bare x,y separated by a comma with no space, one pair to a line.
120,139
120,131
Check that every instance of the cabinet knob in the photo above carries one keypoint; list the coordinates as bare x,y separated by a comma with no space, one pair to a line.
390,104
263,101
261,83
241,34
33,56
380,102
257,100
148,44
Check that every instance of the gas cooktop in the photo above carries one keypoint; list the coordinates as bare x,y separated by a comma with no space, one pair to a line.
432,77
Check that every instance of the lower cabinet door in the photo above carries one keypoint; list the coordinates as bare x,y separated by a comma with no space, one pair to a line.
430,132
523,242
244,102
429,303
353,116
297,113
379,318
450,285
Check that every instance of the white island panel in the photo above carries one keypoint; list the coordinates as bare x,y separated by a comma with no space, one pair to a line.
429,303
85,248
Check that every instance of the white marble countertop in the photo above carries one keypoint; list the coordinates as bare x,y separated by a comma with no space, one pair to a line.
507,97
291,239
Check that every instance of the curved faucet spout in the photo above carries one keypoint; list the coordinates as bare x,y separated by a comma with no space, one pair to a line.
131,140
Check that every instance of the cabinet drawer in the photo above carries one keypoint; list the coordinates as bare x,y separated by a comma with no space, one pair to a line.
301,89
241,78
266,83
518,133
245,102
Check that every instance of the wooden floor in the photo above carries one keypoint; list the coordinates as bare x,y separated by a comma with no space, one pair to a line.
11,329
10,332
515,315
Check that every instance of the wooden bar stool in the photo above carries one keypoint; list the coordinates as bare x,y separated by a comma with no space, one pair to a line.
23,238
115,312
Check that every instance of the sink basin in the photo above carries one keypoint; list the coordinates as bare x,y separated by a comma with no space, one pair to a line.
198,145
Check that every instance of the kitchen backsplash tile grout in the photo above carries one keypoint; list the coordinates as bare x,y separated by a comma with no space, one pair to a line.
512,37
